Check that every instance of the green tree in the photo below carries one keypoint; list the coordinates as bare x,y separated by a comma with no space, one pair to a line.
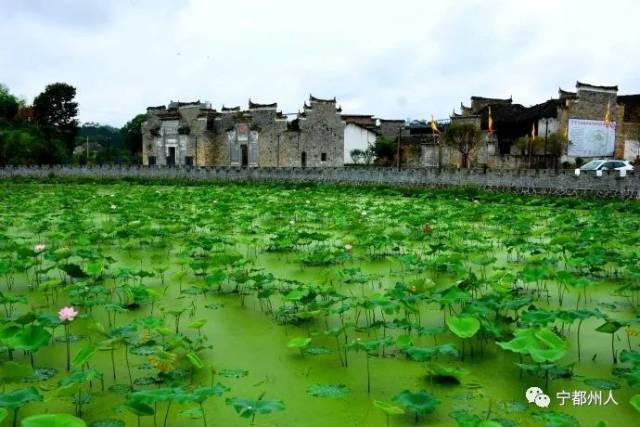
55,112
556,143
522,144
385,150
132,134
463,137
9,104
22,146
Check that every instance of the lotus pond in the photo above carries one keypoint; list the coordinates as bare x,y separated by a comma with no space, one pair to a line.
171,305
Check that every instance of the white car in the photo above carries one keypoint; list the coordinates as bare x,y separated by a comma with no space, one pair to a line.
606,165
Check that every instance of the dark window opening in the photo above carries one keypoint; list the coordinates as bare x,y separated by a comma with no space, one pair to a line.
244,150
171,158
188,161
323,157
152,160
303,159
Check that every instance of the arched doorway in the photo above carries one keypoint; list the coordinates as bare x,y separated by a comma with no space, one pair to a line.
303,159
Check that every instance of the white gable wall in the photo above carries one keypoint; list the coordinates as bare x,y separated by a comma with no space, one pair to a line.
356,137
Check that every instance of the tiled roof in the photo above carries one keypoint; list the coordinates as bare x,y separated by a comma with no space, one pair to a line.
314,99
587,85
253,105
493,100
230,109
563,94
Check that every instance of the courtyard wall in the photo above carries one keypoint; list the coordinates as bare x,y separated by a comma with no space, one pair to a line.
563,182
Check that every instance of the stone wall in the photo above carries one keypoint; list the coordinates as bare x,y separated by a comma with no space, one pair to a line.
610,184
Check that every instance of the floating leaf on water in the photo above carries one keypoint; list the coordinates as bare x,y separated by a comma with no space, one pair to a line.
299,342
602,384
388,408
143,350
72,338
215,306
421,402
317,351
333,391
122,389
464,418
635,402
41,374
234,373
108,423
445,374
144,381
192,413
513,406
248,408
473,386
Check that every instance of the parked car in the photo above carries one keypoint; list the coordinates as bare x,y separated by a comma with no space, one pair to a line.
606,165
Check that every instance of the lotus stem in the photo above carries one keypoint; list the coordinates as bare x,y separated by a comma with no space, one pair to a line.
66,335
166,415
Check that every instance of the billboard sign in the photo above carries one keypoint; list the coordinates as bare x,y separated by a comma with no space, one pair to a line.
591,138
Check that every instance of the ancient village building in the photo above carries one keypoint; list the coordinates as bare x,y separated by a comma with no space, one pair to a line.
360,133
195,134
596,121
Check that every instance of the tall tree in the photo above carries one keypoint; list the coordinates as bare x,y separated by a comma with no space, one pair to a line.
385,150
8,104
55,111
463,137
132,134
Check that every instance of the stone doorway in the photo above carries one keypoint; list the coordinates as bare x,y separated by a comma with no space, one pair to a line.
244,151
303,159
171,158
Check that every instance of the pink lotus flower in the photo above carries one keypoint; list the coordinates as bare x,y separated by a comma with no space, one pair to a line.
39,247
348,247
67,314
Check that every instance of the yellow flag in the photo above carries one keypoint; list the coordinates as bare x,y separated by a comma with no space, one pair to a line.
490,121
607,115
533,132
434,126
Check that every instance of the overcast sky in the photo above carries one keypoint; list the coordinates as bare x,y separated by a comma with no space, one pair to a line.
394,59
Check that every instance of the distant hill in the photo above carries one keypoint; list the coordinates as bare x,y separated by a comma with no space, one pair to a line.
105,135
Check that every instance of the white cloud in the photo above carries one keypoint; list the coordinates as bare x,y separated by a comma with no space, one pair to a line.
393,59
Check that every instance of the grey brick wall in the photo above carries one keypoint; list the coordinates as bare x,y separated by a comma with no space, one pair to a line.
564,182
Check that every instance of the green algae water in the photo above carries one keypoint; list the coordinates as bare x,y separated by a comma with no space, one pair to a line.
311,305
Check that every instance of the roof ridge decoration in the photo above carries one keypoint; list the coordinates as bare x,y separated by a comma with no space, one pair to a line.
230,109
255,105
484,98
580,84
328,101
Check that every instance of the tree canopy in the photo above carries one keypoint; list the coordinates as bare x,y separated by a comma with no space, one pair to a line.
463,137
9,104
55,112
131,134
